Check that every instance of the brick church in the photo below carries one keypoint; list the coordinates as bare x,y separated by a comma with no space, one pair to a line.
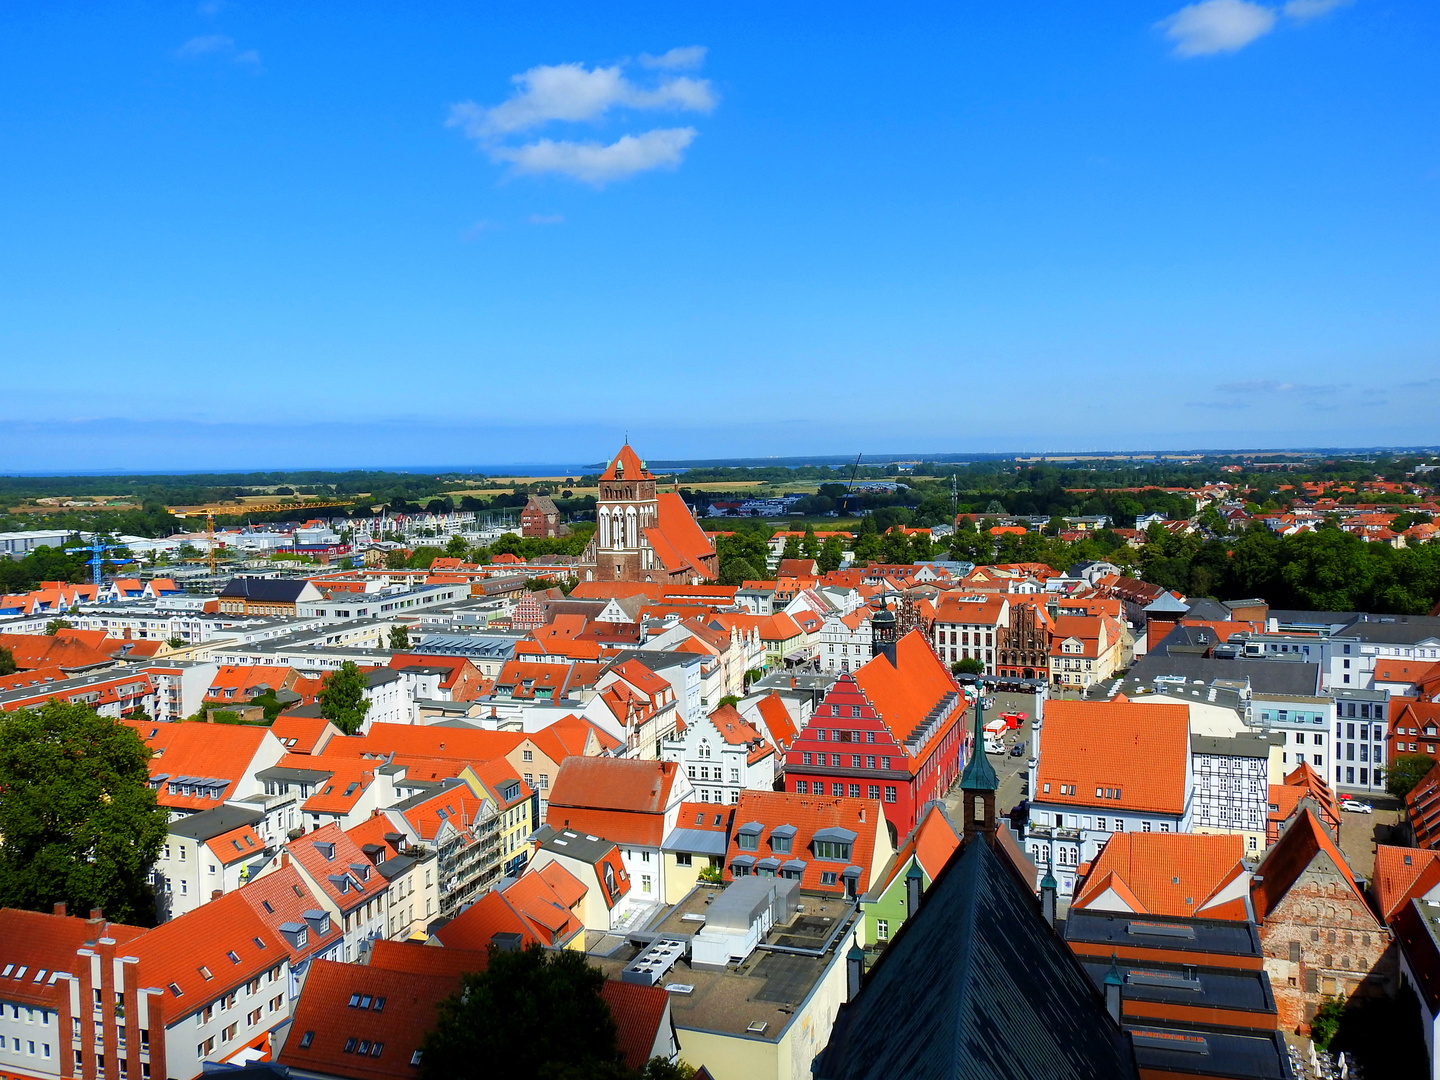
644,536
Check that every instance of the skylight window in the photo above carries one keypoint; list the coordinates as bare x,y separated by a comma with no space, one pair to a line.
306,1040
175,989
205,973
234,956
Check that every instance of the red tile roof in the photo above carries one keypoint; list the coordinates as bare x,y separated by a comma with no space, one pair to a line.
420,959
346,876
475,927
621,799
777,720
236,845
1168,873
1401,874
32,942
194,953
626,465
215,751
444,743
282,896
303,734
808,814
1299,845
1140,752
324,1015
639,1011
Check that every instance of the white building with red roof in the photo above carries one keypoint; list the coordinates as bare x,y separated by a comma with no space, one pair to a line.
633,803
723,754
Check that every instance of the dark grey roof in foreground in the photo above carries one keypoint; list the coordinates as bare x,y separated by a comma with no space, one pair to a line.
976,986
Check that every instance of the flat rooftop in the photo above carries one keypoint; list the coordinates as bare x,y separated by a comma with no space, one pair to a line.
767,987
1114,930
1203,988
1261,1055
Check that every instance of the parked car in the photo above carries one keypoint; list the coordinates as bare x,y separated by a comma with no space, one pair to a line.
1355,806
1018,750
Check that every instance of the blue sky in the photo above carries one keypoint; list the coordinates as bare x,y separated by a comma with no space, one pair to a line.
235,234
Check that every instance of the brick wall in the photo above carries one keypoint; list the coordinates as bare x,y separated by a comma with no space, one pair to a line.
1321,940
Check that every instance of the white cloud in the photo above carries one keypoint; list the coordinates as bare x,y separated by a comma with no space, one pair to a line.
573,92
1303,10
689,57
1216,26
204,45
600,163
218,45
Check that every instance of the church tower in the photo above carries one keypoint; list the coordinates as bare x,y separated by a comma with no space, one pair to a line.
624,509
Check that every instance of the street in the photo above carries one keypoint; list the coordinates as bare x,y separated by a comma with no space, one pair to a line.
1011,771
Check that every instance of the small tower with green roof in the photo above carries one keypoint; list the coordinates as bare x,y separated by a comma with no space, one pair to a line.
978,784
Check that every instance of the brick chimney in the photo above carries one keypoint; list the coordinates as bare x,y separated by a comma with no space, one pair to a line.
215,894
60,907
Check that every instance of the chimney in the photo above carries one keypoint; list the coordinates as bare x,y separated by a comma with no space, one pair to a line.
854,971
1114,985
284,858
60,907
96,914
215,894
914,889
1048,888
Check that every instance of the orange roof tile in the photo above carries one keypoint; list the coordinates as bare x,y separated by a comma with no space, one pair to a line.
808,814
1402,874
620,799
638,1012
1304,841
204,751
236,845
626,465
282,896
1141,752
1166,873
206,953
323,1013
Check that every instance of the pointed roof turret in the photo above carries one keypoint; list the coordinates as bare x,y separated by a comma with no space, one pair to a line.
979,775
626,465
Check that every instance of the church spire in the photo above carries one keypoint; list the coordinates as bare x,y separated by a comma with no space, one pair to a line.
978,782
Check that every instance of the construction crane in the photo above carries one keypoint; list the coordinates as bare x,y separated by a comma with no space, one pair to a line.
845,499
97,549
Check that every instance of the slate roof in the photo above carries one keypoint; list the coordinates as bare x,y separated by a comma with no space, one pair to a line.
976,985
1266,676
264,590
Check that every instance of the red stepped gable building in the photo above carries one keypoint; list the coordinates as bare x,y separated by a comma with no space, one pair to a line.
642,536
890,731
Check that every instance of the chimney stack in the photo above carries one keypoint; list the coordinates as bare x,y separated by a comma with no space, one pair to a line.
60,907
1114,990
914,889
96,914
215,894
854,972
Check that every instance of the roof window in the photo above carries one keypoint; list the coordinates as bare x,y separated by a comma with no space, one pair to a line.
379,1005
306,1040
205,973
234,956
175,989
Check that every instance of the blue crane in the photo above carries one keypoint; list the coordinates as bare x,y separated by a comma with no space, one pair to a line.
97,549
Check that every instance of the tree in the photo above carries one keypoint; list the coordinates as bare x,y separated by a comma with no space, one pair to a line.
342,698
529,1014
175,642
1406,771
810,545
395,560
792,548
832,554
79,821
457,547
399,638
54,626
1327,1022
968,666
7,662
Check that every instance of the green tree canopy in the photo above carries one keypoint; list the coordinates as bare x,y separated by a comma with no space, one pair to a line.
528,1014
968,666
7,662
79,821
342,698
1406,771
399,638
832,554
